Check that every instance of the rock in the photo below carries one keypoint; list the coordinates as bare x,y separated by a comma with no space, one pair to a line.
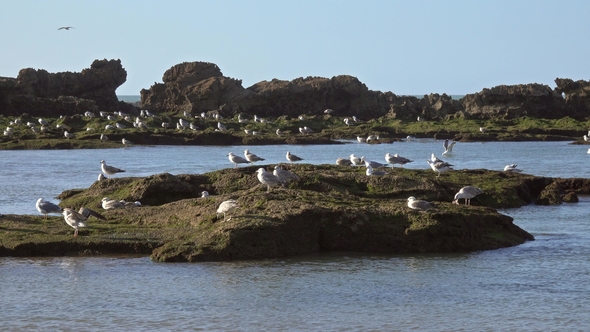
40,93
512,101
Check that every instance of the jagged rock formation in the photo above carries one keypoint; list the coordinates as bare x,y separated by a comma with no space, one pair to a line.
39,93
201,87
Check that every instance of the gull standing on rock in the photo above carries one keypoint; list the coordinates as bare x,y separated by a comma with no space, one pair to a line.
109,170
284,175
267,179
46,207
236,159
78,219
467,193
439,167
126,142
252,157
227,207
293,158
396,159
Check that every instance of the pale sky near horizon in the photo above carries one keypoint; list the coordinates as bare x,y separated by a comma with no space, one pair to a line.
406,47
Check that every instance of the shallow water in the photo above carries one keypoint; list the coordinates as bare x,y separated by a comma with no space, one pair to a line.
540,285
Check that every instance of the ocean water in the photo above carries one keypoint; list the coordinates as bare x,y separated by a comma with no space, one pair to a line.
129,98
541,285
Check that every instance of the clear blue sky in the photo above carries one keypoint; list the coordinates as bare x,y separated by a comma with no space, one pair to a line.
406,47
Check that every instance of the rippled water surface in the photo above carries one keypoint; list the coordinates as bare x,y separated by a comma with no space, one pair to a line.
541,285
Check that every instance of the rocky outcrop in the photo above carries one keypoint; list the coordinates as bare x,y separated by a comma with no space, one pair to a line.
40,93
513,101
201,87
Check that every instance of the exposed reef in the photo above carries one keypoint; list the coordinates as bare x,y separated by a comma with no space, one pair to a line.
330,208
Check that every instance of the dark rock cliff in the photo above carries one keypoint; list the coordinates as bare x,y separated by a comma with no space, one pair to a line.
201,87
39,93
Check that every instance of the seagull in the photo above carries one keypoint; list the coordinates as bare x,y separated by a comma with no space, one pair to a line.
126,142
109,127
236,159
120,126
483,130
252,157
130,204
434,159
110,204
43,122
204,194
370,171
328,111
343,162
268,179
372,138
361,139
448,147
221,126
279,132
66,28
347,121
109,170
103,137
396,159
284,175
585,136
227,207
46,207
467,193
78,219
356,161
68,135
101,177
512,168
420,205
292,157
439,167
371,163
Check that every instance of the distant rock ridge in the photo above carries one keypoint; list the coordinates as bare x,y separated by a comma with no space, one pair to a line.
201,87
198,87
40,93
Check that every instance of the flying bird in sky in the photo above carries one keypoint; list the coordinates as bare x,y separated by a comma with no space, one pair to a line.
66,28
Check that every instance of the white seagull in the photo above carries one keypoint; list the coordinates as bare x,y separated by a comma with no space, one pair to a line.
268,179
439,167
78,219
110,204
252,157
396,159
227,207
371,163
284,175
467,193
109,170
236,159
417,204
512,168
371,172
204,194
448,147
292,158
126,142
356,161
46,207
